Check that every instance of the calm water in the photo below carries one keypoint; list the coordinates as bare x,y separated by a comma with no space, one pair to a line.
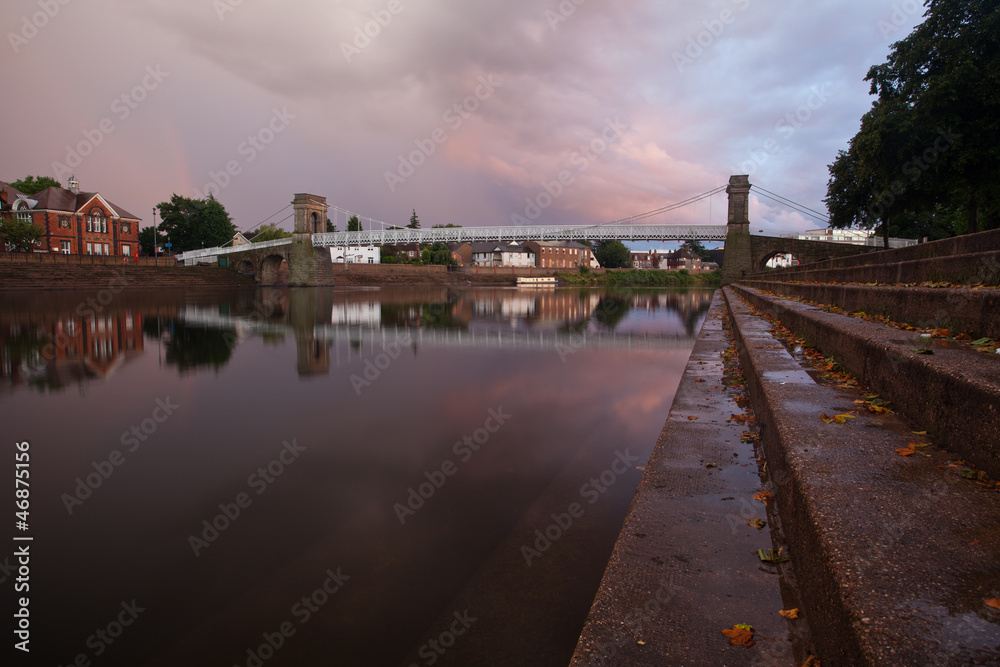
329,477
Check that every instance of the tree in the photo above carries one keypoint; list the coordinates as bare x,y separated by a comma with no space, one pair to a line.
448,226
414,221
146,240
19,235
613,255
269,232
354,225
698,248
30,185
330,227
191,224
929,148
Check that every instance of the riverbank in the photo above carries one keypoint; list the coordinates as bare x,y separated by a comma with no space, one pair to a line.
641,278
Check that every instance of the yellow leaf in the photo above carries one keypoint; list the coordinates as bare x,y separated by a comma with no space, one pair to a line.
992,602
764,496
909,450
789,613
757,523
692,418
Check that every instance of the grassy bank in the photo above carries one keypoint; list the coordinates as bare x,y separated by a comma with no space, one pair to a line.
643,278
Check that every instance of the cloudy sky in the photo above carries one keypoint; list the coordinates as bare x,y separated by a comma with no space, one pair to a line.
470,112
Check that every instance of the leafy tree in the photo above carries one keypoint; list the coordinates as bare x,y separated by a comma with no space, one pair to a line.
414,221
613,255
354,225
448,226
930,146
195,223
19,235
698,248
269,232
146,239
30,185
330,227
438,253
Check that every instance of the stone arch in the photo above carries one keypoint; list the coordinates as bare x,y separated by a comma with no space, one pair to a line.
274,270
768,256
245,266
314,223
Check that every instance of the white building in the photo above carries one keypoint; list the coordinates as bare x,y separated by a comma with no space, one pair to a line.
356,254
487,253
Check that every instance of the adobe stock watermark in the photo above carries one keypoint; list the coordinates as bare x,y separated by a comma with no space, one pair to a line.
581,159
302,611
433,649
591,491
914,168
564,10
31,25
464,449
131,441
901,13
365,35
223,7
786,127
103,638
374,367
263,310
259,481
121,108
454,117
248,150
698,44
633,622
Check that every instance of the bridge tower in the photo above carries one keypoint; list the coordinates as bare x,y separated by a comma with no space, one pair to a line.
738,259
305,263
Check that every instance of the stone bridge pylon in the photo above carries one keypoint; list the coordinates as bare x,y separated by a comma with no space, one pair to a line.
746,254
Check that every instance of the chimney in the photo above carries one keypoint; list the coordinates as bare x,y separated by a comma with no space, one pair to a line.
74,185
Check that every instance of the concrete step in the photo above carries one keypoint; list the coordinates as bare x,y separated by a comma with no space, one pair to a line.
953,394
895,555
975,312
685,565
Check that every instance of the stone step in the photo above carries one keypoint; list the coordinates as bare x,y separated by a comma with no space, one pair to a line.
895,555
952,393
975,312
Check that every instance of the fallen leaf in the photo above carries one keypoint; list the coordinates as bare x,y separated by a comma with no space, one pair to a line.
739,419
698,380
826,418
992,602
692,418
764,496
812,661
981,341
771,556
757,523
907,451
641,643
740,635
711,465
924,350
789,613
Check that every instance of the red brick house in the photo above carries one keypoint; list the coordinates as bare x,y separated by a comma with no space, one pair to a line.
76,223
559,254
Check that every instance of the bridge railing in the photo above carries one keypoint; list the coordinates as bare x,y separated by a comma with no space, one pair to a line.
215,252
524,233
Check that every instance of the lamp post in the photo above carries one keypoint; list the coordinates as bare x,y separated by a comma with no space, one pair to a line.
156,254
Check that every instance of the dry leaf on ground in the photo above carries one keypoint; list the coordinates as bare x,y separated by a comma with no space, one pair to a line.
764,496
740,635
789,613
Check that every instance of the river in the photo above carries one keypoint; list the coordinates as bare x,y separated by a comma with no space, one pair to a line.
325,476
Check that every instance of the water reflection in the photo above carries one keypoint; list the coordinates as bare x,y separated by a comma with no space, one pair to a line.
52,341
390,393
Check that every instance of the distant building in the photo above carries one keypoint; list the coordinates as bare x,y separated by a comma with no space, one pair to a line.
407,250
510,253
559,254
855,236
74,222
461,253
239,239
356,254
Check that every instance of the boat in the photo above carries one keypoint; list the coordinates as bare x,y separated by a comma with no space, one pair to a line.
540,281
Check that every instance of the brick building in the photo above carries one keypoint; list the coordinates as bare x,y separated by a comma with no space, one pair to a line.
559,254
74,222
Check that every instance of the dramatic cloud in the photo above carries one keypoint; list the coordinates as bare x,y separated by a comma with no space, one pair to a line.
571,111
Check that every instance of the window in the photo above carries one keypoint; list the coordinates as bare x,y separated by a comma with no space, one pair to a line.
90,224
104,225
90,247
107,250
64,247
126,250
24,217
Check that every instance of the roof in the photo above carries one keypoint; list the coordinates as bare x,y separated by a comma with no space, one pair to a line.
10,193
61,199
497,246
